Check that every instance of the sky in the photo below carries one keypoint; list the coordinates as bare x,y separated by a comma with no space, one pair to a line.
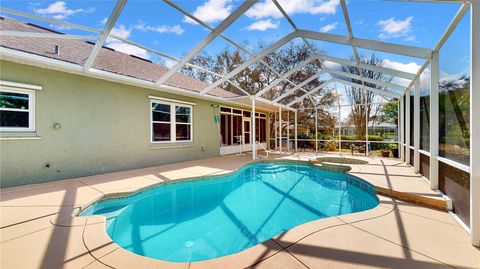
157,25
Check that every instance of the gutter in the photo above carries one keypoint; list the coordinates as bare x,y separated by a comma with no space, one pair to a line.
30,59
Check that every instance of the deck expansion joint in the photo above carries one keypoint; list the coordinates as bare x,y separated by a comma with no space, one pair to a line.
26,221
295,257
390,241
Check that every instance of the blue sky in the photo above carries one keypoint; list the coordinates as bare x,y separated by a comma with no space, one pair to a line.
157,25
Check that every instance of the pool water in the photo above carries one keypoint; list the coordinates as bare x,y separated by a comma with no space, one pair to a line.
204,219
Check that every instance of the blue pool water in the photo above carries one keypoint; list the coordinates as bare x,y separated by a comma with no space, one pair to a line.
203,219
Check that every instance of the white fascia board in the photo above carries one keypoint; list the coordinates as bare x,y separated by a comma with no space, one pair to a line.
369,44
46,35
58,65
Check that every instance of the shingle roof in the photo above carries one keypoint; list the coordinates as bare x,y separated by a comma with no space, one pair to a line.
77,52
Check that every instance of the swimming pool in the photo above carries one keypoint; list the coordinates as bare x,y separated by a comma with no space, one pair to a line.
204,219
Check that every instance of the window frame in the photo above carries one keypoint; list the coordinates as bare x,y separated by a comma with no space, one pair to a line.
227,110
173,121
30,110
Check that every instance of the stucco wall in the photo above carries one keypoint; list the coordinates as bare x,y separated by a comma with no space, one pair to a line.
105,126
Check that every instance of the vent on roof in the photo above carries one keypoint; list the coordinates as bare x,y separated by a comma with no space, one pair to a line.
140,58
56,50
44,28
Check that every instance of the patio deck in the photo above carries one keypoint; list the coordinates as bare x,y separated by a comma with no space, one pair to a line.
37,230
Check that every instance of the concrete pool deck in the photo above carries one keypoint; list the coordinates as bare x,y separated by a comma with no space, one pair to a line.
37,230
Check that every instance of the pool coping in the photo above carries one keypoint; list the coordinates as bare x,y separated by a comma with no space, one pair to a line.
107,252
405,234
124,194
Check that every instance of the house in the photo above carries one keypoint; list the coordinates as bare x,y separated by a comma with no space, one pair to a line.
142,145
59,121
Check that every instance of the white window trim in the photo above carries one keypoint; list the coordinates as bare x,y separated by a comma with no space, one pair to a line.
20,85
424,152
173,123
455,164
31,109
260,116
168,100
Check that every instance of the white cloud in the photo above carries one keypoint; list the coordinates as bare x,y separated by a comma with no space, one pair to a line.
211,11
60,11
424,77
121,31
263,25
329,27
393,28
59,27
268,9
104,20
411,67
410,38
359,22
170,63
176,29
332,65
118,45
129,49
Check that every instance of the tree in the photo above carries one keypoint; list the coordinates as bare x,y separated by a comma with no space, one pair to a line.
456,91
389,112
357,96
258,76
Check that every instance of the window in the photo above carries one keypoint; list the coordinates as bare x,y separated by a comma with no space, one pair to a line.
454,96
171,122
183,123
17,110
235,125
261,126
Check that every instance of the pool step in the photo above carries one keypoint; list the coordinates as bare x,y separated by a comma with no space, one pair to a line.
441,203
273,168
